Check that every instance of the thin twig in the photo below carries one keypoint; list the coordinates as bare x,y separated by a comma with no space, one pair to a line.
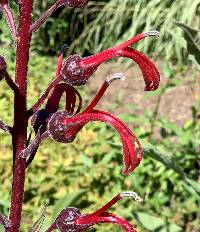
38,23
5,127
10,82
4,6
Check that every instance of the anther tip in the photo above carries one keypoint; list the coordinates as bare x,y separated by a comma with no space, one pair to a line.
115,76
152,33
131,194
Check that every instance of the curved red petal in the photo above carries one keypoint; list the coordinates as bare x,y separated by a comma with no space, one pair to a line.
130,156
59,65
106,218
150,72
104,55
71,93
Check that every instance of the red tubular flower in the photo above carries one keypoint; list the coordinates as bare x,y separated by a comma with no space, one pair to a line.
71,219
63,126
77,70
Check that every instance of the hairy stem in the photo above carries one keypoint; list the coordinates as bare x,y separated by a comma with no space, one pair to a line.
46,14
9,18
19,136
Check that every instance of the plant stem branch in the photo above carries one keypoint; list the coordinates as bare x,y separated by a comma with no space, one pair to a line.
19,136
38,23
9,19
5,127
10,82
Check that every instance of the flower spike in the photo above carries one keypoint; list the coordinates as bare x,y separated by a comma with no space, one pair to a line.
77,70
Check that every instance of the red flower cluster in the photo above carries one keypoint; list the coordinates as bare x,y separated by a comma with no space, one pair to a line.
63,126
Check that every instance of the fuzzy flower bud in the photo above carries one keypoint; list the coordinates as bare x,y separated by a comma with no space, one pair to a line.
73,73
58,129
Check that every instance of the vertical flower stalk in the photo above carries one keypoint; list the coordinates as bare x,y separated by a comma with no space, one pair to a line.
20,114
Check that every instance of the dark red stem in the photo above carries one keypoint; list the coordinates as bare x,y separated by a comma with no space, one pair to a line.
46,14
19,136
9,18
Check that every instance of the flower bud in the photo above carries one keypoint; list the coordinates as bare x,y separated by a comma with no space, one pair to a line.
67,218
58,130
73,73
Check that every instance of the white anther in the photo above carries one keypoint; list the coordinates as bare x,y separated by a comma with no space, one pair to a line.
115,76
152,33
131,194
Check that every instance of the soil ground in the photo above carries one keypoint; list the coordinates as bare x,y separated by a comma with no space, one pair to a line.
175,103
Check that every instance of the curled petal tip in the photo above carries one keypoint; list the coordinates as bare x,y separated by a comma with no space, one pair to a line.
152,33
131,194
115,76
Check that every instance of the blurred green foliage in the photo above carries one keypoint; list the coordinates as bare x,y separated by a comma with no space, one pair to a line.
105,23
86,173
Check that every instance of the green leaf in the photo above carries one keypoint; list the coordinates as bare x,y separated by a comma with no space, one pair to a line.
156,224
194,185
192,38
167,160
2,229
192,58
38,224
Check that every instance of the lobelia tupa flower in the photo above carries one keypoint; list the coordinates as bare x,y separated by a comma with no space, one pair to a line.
71,219
77,70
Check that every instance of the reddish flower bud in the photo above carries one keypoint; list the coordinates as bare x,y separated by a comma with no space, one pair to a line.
73,73
67,218
76,3
58,129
